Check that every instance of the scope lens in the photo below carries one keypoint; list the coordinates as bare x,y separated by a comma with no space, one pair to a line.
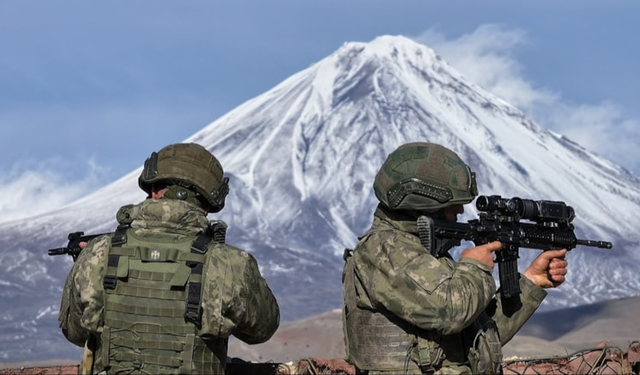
491,203
482,202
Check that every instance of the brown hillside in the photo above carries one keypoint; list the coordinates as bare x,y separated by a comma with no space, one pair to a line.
319,336
546,334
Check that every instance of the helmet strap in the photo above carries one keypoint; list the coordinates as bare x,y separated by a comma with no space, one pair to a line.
217,196
184,194
150,170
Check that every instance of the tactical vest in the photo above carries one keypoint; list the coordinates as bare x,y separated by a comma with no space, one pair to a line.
378,341
148,326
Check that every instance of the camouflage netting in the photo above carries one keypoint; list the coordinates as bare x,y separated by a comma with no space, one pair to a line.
597,361
607,360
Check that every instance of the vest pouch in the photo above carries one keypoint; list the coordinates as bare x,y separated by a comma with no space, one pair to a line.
429,355
485,357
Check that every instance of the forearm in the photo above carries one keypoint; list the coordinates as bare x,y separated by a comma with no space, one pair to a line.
431,295
458,301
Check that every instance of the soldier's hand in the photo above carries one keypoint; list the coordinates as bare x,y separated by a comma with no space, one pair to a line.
548,270
82,244
482,253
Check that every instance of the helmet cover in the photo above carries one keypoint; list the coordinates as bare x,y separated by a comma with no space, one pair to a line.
425,177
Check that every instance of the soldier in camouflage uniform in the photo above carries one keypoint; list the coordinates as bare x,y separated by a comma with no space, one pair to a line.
163,294
409,309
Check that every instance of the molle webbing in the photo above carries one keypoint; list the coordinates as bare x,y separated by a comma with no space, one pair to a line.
372,341
152,344
139,291
118,239
147,358
144,310
379,341
147,325
375,343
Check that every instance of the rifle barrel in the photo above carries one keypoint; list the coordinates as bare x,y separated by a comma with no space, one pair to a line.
58,251
598,244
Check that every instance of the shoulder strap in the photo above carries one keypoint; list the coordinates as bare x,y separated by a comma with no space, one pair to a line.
118,239
193,309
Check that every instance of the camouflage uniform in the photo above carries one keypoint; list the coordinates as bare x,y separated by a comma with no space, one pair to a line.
441,307
235,298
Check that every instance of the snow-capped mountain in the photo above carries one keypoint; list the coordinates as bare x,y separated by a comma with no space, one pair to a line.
302,158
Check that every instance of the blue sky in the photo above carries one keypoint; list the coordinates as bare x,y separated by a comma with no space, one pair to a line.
88,89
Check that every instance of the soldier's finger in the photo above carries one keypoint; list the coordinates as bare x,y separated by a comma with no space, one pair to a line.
558,263
492,246
558,271
550,254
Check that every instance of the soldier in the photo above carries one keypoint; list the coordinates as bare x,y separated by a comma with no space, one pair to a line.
408,309
164,292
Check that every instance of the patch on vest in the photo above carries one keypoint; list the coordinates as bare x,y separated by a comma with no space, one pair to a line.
155,254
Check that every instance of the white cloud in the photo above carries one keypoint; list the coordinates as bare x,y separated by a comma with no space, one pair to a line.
486,57
117,137
602,128
28,191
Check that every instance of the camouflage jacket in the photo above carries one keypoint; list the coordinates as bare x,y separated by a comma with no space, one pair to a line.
239,304
396,275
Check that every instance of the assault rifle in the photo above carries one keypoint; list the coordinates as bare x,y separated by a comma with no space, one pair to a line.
499,219
73,248
217,230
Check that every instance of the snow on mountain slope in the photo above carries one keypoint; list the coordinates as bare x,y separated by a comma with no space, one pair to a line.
323,133
301,159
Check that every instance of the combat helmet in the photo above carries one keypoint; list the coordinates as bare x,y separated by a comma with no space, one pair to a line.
187,165
425,177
